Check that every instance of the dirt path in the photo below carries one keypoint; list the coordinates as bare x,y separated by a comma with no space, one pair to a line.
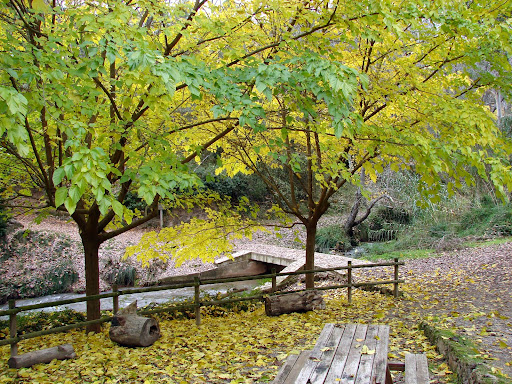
469,292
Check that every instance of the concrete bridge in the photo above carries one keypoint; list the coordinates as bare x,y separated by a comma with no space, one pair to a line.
259,259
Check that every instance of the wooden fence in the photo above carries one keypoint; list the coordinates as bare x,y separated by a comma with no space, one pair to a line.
196,305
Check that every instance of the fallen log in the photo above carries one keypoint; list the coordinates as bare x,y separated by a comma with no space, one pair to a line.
131,330
304,301
61,352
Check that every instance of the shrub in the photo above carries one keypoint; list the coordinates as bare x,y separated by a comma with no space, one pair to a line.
122,275
487,219
250,186
394,215
440,230
57,277
36,264
134,202
38,321
331,237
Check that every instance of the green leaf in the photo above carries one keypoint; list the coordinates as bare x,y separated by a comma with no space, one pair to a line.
74,193
40,6
58,175
118,208
70,205
60,196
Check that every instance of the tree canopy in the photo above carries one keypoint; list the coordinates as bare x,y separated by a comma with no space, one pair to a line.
101,99
388,85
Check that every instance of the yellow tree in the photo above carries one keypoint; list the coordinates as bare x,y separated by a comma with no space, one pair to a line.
411,101
101,99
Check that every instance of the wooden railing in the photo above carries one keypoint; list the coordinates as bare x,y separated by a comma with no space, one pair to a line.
197,303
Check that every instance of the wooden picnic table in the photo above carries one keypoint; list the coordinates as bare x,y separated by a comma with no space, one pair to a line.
343,354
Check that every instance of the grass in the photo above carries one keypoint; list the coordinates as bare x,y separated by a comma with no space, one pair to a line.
407,254
388,251
485,243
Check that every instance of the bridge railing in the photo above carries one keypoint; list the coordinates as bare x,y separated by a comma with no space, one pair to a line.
13,310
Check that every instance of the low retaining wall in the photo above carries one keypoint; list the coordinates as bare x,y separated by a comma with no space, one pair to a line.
458,351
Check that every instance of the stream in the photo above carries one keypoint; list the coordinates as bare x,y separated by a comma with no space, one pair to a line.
143,299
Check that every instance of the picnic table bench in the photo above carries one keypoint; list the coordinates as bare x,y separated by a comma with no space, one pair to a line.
350,353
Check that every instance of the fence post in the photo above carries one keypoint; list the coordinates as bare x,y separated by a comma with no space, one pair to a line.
13,328
274,280
395,284
196,301
349,282
115,299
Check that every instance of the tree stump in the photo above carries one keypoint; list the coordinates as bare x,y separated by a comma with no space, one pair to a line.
130,330
61,352
304,301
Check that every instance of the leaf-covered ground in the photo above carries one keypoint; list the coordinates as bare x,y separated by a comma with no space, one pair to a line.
467,291
247,347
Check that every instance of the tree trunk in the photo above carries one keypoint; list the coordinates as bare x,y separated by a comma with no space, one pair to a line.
26,360
351,219
294,302
499,113
310,254
92,279
352,222
131,330
134,331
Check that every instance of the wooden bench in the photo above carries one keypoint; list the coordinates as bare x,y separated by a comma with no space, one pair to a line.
416,369
343,353
291,368
348,353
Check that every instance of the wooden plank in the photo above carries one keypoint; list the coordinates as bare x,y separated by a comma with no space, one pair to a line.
416,369
410,369
381,361
294,373
316,354
285,370
322,368
365,369
341,355
422,369
352,364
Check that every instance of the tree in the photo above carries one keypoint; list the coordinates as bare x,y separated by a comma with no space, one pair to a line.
353,220
409,102
101,99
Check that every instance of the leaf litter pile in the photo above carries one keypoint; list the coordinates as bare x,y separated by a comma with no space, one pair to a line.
465,291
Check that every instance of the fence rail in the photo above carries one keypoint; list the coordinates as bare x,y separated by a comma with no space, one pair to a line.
196,305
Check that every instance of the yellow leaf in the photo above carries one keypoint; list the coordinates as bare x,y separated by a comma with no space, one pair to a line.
367,351
40,6
502,344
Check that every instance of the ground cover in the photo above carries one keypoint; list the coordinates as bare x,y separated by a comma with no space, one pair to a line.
245,347
466,292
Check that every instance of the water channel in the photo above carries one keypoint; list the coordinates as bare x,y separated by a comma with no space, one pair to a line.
143,299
